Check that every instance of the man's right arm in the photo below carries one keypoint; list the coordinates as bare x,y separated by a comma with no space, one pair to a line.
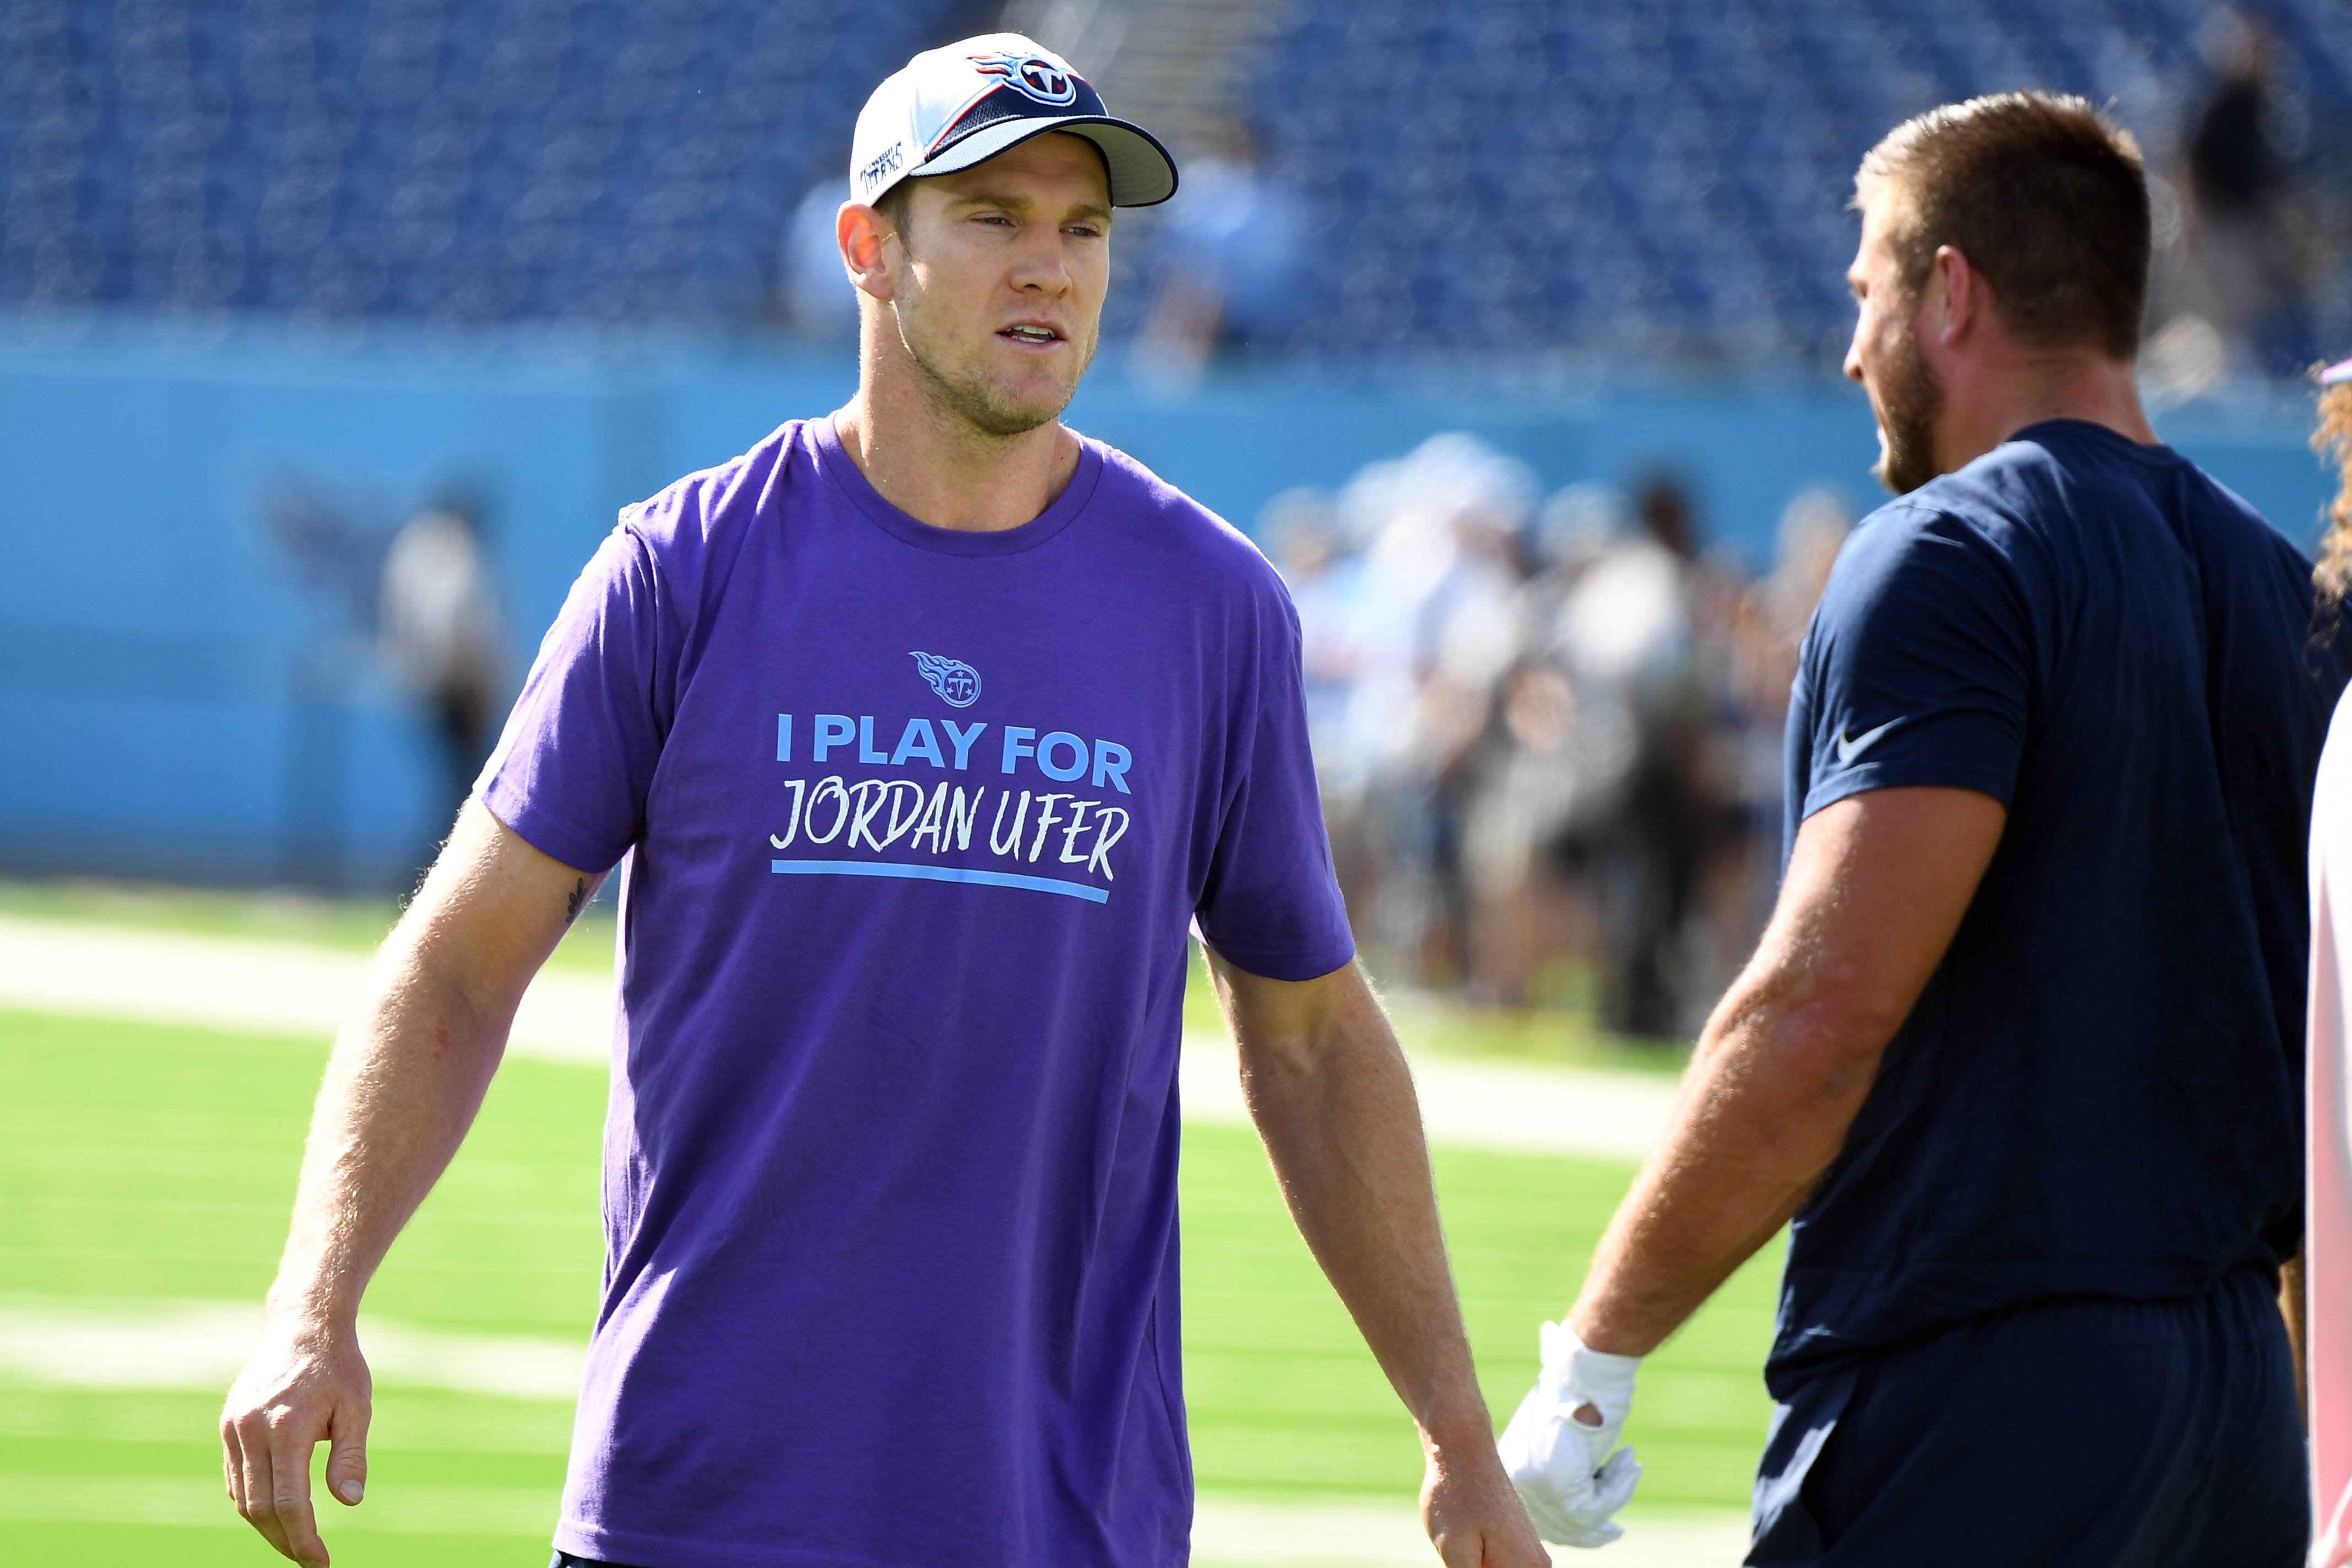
406,1079
1877,885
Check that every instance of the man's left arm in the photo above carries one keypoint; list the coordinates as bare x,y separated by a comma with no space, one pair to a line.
1334,1102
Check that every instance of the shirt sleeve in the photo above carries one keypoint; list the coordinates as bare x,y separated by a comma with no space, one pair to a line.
572,770
1919,664
1271,905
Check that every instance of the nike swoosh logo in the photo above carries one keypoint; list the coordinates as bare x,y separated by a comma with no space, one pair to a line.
1848,750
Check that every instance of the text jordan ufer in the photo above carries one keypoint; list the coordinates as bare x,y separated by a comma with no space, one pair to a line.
1034,827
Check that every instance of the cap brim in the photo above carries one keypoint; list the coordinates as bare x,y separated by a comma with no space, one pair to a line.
2337,374
1142,174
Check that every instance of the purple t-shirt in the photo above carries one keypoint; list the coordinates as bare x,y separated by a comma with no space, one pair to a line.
915,824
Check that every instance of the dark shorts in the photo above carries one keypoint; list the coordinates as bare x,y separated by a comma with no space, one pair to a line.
2077,1433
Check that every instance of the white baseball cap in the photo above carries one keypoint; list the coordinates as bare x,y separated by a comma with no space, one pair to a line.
953,107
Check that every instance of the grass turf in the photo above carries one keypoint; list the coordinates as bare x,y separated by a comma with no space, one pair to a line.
1425,1022
150,1164
349,925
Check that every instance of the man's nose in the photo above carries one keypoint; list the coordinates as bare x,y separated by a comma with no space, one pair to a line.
1042,265
1854,355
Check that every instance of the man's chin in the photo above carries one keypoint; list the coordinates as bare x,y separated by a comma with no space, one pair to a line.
1902,473
1905,461
998,411
1005,418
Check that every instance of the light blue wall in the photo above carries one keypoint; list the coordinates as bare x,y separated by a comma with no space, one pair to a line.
174,705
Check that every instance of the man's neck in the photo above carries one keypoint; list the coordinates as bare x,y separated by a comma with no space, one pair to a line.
938,469
1984,409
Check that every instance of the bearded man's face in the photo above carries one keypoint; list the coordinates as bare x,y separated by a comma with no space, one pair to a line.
1887,358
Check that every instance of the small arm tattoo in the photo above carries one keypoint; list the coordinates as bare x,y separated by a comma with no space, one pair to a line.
578,901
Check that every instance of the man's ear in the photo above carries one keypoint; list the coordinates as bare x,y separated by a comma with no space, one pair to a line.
866,238
1955,297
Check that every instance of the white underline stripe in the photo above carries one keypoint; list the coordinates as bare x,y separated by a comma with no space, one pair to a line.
939,874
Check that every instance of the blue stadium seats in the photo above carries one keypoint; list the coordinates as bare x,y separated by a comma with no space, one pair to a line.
1678,172
475,160
1665,179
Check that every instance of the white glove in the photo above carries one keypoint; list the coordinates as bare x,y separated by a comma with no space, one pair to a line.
1565,1471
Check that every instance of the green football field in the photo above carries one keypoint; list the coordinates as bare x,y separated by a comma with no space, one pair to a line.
146,1171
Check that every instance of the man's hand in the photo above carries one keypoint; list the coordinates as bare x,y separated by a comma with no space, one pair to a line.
304,1386
1561,1447
1334,1102
1472,1516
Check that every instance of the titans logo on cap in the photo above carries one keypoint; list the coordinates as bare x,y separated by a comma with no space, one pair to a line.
963,103
1019,87
1039,78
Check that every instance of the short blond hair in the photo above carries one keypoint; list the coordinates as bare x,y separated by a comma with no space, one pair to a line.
2045,196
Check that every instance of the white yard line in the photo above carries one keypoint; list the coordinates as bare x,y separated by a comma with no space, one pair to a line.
396,1509
1504,1106
239,983
200,1345
1249,1533
281,987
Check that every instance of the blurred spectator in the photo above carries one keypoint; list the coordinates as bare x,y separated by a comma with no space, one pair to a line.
819,300
1630,629
441,633
1303,538
1552,764
2237,303
1227,257
1773,619
1771,622
1433,625
1548,739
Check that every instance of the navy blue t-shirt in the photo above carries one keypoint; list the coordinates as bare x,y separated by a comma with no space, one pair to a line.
2099,1091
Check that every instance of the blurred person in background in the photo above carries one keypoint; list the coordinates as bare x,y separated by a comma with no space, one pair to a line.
1631,638
1302,538
1230,253
2248,232
1771,619
2326,1309
890,1175
818,303
438,624
1435,624
1528,729
2018,1059
1547,766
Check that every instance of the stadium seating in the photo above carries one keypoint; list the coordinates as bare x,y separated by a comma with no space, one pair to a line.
1655,183
470,160
1664,182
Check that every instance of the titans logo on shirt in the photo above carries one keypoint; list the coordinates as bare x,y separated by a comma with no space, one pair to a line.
957,682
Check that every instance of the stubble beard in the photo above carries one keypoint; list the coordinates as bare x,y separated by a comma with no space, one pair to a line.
967,397
1909,399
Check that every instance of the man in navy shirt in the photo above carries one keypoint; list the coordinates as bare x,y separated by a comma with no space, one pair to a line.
2018,1058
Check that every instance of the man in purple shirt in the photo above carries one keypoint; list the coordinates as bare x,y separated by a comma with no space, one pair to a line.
922,735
